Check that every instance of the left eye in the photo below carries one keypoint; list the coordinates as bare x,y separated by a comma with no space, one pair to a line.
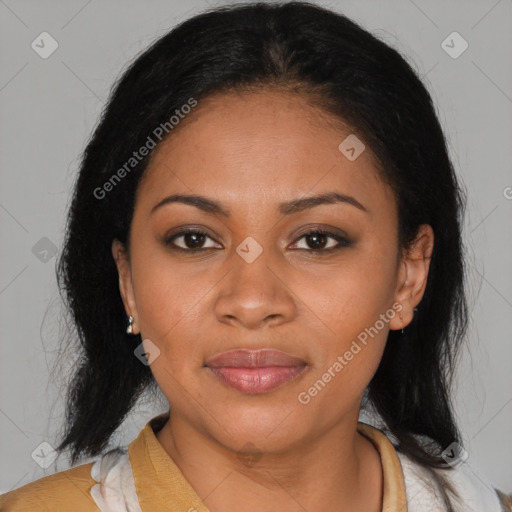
319,240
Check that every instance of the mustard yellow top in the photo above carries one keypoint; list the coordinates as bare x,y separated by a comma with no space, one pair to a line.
161,485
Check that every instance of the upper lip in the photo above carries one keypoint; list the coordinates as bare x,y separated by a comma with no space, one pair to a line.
245,358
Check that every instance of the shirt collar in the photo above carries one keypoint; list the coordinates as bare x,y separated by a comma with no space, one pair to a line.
394,497
161,484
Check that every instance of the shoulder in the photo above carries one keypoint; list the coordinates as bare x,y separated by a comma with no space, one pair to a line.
54,493
475,492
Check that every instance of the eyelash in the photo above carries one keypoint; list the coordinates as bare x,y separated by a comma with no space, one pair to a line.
342,241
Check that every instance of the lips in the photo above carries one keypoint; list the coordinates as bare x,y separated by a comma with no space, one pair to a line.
254,359
255,371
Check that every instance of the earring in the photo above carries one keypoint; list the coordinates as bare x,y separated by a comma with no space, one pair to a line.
129,329
400,315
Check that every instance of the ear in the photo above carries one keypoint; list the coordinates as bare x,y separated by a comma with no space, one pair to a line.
412,276
125,281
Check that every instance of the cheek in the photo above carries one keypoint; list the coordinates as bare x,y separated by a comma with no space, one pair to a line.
165,289
346,359
169,311
169,303
345,299
351,306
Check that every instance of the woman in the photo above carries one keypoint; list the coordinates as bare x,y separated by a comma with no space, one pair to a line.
266,227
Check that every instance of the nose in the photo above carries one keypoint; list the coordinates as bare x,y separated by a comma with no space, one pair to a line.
255,295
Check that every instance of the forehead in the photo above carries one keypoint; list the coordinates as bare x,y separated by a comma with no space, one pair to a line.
259,146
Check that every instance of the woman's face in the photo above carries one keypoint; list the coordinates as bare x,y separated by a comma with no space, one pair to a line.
254,282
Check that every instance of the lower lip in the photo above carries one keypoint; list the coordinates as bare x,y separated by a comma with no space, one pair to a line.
256,380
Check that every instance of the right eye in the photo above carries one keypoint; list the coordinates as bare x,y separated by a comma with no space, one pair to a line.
192,239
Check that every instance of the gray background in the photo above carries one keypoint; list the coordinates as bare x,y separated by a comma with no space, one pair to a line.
48,108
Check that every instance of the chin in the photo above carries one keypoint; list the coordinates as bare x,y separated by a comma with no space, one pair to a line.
265,428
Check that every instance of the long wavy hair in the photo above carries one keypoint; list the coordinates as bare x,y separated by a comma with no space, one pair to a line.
344,71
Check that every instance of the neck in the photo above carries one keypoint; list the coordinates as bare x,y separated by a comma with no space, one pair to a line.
339,470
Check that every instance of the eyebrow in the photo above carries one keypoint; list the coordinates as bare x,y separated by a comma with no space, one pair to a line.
287,208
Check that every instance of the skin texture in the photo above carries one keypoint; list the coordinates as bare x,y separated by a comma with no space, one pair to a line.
250,152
